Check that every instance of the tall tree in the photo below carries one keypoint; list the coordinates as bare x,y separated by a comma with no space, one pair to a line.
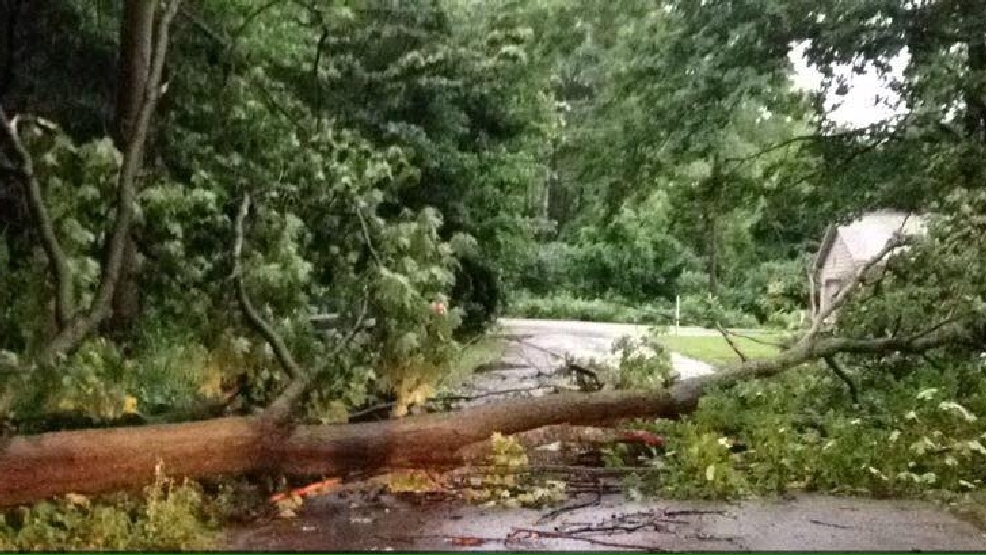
136,48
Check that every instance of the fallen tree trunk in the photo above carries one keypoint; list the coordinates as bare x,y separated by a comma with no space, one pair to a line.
93,461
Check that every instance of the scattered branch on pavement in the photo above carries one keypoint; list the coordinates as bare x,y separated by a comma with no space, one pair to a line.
519,534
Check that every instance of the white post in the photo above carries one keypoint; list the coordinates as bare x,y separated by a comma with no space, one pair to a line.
677,313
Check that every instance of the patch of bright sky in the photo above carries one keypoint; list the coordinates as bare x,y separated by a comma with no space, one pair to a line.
856,108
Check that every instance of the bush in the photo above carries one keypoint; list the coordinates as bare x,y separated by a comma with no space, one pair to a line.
169,517
923,435
565,306
698,310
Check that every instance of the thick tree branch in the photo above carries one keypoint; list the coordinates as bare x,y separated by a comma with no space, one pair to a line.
301,379
280,410
283,406
96,461
281,351
22,166
82,325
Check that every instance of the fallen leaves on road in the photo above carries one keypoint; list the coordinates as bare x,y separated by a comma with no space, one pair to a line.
322,486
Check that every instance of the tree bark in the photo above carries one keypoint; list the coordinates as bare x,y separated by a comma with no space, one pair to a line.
102,306
93,461
136,50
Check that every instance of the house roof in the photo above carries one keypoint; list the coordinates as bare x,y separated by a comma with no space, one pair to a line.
868,234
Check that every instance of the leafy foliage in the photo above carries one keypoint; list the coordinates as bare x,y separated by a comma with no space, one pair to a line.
918,436
169,516
508,484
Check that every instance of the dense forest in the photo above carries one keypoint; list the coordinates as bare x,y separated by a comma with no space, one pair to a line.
187,189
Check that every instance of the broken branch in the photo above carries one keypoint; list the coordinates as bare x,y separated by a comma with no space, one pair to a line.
732,344
22,166
846,292
283,405
841,373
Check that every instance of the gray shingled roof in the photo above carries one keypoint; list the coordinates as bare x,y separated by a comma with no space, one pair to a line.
867,235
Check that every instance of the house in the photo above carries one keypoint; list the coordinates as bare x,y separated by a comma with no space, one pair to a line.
846,248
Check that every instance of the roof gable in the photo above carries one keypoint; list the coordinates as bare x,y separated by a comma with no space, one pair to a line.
865,236
868,235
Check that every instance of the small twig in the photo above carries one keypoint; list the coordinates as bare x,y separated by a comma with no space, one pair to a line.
536,347
371,409
628,528
250,17
732,344
486,394
694,512
195,20
597,498
557,469
469,541
531,533
841,373
753,338
366,237
829,524
364,309
316,82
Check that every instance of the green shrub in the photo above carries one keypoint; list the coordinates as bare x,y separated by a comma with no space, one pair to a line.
918,436
168,517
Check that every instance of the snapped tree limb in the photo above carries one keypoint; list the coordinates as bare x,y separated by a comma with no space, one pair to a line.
302,379
844,294
93,461
22,167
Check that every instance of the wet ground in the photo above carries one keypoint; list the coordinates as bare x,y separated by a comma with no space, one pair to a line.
802,523
530,367
536,351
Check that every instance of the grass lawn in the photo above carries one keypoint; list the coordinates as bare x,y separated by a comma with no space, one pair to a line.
715,350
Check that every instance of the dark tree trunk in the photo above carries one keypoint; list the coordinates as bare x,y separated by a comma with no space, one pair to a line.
136,46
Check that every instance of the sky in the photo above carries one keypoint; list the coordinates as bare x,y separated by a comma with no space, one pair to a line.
857,109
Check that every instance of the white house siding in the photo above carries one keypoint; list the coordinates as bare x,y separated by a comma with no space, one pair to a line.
838,268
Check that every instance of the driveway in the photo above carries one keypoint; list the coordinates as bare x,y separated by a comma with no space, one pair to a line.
594,340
